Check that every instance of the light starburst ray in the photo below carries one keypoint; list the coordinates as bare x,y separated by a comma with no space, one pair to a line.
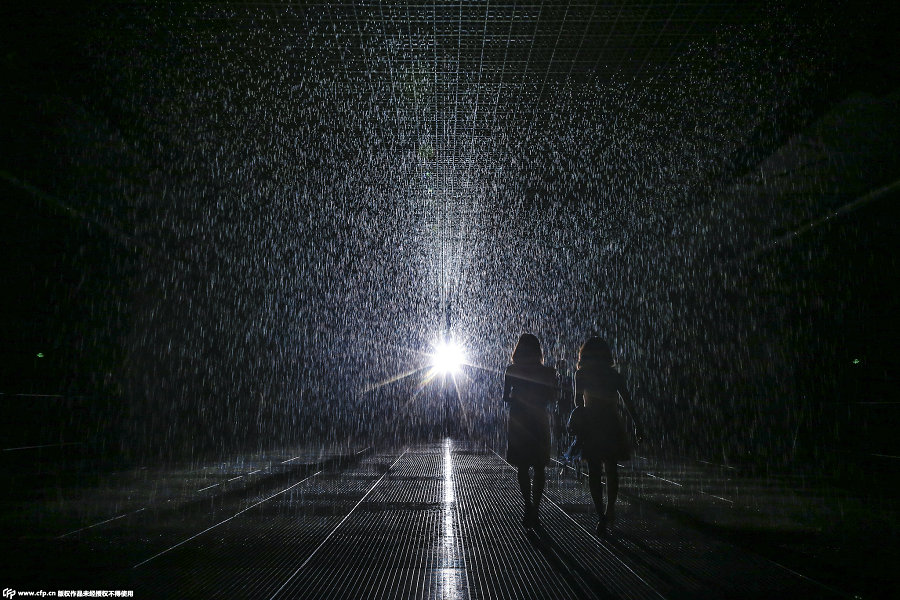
393,379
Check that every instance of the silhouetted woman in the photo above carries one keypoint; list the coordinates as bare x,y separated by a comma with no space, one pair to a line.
598,427
529,388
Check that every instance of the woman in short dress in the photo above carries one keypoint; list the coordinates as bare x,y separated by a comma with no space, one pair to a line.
529,388
599,426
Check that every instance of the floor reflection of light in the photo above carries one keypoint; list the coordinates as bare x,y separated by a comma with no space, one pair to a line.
450,573
449,492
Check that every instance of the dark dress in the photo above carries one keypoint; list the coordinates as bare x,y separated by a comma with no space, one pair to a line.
529,390
599,428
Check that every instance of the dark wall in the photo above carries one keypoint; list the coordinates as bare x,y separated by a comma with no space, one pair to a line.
835,285
65,315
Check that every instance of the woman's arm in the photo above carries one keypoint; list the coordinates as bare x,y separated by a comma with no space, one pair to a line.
507,387
579,391
629,406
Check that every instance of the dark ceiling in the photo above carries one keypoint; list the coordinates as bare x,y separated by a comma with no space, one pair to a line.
537,92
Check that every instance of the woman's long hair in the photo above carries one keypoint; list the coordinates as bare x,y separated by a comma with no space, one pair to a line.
595,351
528,351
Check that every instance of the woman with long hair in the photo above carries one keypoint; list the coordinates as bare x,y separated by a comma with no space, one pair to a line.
529,388
599,426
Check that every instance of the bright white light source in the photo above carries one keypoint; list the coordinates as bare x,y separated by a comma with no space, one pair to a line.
448,357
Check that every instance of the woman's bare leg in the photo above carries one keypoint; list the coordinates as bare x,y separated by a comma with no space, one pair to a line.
612,480
595,482
537,492
524,478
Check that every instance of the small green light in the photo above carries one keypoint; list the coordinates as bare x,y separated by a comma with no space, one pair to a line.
855,361
40,355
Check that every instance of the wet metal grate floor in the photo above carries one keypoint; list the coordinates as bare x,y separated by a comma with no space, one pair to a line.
435,521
